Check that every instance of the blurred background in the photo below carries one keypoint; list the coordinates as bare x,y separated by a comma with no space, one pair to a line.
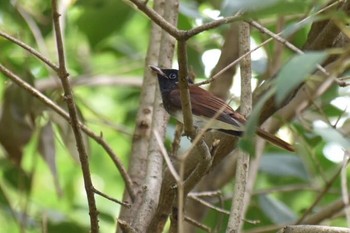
41,185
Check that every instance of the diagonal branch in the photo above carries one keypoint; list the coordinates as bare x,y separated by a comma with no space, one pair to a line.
52,105
30,50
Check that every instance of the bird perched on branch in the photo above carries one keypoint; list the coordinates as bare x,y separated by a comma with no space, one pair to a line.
206,107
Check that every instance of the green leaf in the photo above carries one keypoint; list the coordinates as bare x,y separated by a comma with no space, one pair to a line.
17,119
276,210
190,9
333,135
47,150
295,72
230,7
284,165
279,8
99,19
66,226
16,177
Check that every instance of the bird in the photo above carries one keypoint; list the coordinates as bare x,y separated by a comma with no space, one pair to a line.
206,107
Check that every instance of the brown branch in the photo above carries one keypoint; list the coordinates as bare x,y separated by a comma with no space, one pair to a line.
154,175
235,222
313,229
157,18
127,205
210,25
325,212
328,185
182,34
284,42
184,92
209,205
48,102
143,125
276,36
344,187
322,34
74,119
197,224
30,50
166,157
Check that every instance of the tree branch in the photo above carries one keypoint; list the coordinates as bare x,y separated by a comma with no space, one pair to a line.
313,229
74,119
48,102
235,222
30,50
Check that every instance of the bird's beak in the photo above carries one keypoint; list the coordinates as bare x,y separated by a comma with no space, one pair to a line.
158,71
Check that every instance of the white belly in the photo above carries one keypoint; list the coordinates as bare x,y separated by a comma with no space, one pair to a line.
208,123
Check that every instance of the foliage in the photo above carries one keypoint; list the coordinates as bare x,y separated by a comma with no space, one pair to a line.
41,184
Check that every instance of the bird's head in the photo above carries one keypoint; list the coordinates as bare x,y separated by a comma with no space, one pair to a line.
167,78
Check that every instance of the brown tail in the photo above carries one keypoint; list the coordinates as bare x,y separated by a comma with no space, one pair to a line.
274,140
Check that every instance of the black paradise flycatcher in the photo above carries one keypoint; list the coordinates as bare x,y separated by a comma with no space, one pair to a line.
206,106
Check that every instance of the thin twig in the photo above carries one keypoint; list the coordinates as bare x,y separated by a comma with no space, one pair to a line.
197,224
182,34
286,188
211,206
344,187
48,102
210,25
206,194
166,157
285,42
328,185
30,50
217,75
74,119
127,205
325,213
158,19
181,197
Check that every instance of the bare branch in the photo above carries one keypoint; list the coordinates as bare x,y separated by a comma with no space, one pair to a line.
344,187
157,18
111,198
184,92
166,157
214,24
30,50
328,185
207,204
48,102
235,222
313,229
197,224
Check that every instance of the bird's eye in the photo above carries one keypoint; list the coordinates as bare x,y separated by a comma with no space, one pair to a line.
172,76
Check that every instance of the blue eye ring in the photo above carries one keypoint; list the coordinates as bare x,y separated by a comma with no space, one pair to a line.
172,76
